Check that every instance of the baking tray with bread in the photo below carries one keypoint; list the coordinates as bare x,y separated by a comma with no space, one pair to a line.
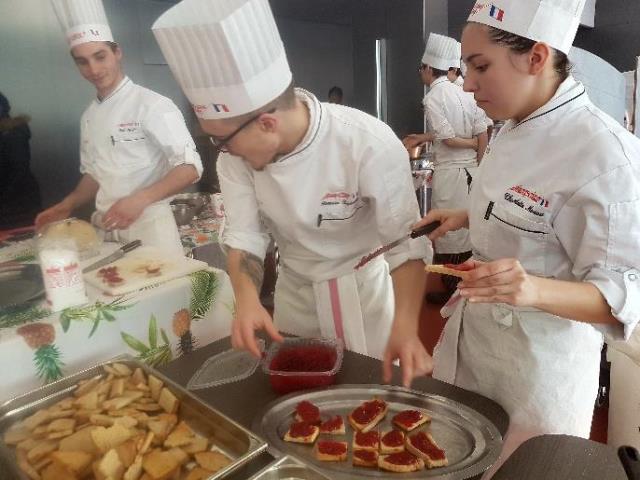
120,419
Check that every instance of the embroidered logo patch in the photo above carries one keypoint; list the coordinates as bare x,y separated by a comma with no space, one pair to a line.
527,200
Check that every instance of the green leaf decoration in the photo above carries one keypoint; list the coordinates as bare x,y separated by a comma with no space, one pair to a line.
153,354
18,315
48,364
204,288
164,336
134,343
95,313
153,332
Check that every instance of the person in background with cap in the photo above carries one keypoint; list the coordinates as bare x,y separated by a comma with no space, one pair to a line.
553,218
459,133
135,148
329,182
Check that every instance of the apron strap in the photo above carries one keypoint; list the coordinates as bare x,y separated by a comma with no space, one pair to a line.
339,311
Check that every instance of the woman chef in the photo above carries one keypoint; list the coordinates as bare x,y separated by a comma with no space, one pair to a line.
135,148
329,182
554,221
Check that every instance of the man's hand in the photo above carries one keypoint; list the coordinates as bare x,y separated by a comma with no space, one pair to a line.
405,345
500,281
449,219
59,211
125,211
248,319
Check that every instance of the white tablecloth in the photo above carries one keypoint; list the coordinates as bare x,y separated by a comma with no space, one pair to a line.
156,324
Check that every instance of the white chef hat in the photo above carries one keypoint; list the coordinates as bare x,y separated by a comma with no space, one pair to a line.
83,21
554,22
442,52
227,55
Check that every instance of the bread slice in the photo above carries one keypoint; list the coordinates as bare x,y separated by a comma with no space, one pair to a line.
402,462
368,415
409,420
307,412
302,432
442,270
365,458
392,441
330,451
333,426
423,446
366,440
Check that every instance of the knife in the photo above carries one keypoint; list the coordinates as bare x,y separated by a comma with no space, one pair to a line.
114,256
425,230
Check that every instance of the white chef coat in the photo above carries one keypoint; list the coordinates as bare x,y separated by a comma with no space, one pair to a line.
452,112
560,191
344,191
128,141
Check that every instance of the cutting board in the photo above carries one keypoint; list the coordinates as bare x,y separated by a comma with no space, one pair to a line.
143,267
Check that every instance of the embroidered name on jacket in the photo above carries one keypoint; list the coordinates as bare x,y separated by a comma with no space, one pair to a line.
527,200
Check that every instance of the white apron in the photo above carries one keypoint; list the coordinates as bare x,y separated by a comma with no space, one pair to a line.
451,190
544,369
357,308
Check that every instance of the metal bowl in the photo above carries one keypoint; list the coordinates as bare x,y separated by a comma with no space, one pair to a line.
183,213
197,199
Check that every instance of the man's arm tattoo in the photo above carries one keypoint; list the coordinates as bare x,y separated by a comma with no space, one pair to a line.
253,267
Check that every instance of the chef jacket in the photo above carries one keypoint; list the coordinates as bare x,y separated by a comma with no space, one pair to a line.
452,112
131,139
344,190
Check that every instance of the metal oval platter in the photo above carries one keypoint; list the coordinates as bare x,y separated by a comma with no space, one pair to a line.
472,443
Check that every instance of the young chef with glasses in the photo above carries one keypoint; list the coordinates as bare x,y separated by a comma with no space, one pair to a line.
553,217
135,149
329,182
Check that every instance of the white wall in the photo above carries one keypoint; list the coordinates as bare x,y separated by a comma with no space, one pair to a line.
320,56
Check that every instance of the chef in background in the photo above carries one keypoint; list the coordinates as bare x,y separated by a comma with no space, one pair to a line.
554,220
135,149
329,182
458,131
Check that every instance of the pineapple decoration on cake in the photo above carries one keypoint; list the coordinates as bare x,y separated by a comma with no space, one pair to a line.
182,329
41,337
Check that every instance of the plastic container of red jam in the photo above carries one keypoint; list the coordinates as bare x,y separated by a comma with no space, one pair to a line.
303,363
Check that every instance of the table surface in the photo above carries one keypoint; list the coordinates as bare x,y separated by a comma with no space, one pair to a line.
243,400
547,457
562,457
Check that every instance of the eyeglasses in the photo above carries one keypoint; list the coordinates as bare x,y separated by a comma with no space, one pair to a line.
220,144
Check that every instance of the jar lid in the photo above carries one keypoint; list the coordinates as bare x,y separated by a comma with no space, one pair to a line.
226,367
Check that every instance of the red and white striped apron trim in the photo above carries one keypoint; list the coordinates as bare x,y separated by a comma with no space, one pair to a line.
336,308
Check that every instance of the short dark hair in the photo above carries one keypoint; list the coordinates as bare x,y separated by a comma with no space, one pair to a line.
285,101
112,45
335,90
518,44
437,73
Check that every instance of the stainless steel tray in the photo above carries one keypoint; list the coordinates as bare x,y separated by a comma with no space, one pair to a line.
232,439
471,441
288,468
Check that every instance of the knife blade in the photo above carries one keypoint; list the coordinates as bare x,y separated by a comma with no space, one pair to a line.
118,254
424,230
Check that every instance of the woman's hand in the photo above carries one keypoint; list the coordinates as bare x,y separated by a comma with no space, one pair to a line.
500,281
450,220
